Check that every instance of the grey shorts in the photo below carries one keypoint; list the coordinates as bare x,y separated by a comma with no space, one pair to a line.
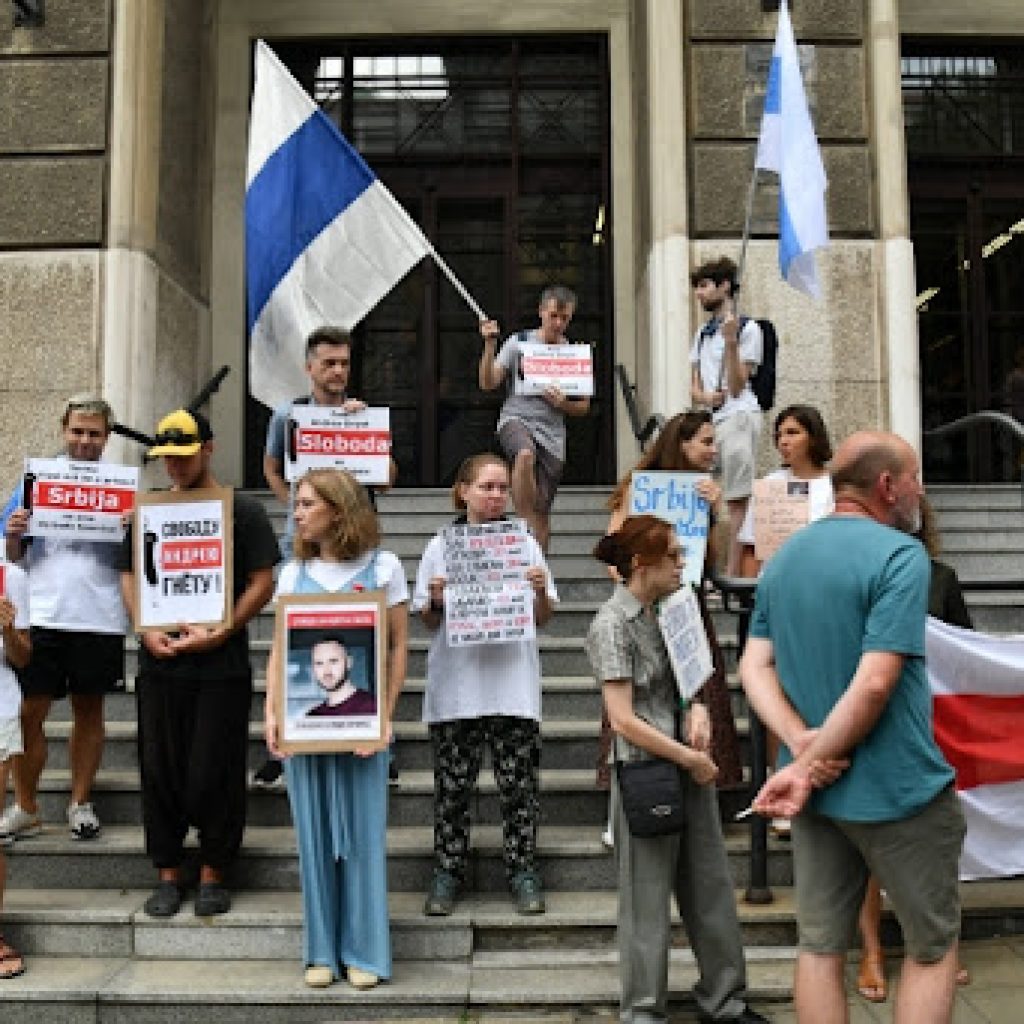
736,439
915,860
10,738
547,469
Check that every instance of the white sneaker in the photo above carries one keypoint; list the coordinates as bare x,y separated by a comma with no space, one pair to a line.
83,822
17,823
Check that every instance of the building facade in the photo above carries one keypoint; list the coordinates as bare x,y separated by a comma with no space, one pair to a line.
607,144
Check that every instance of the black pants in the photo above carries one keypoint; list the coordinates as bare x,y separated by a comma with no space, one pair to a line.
193,737
515,755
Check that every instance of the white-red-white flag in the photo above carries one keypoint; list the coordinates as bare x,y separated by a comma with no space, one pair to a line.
977,684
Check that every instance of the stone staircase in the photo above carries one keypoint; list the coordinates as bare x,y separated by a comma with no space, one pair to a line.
75,908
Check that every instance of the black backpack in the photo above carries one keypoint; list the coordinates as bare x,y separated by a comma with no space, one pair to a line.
762,380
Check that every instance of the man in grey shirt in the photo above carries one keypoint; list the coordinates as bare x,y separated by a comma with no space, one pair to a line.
531,428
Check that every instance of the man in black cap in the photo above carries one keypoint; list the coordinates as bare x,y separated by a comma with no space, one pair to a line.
194,692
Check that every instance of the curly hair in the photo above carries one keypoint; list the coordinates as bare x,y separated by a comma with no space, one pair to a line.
354,528
667,452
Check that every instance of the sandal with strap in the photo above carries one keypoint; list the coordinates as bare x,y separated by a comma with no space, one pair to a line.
871,979
11,962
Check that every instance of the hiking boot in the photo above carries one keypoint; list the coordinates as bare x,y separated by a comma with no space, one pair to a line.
83,822
444,887
529,893
17,823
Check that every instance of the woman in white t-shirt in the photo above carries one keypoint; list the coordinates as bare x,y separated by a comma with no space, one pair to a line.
481,695
15,651
339,801
804,447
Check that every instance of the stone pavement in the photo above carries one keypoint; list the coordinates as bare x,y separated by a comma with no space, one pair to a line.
995,995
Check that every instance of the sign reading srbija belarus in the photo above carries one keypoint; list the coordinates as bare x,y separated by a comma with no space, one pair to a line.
326,437
78,500
487,598
570,368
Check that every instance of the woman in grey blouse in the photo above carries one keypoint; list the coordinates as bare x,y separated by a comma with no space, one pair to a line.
630,661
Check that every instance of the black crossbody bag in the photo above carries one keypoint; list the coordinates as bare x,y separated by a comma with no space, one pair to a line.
651,793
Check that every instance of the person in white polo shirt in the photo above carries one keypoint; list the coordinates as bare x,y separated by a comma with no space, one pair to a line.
78,627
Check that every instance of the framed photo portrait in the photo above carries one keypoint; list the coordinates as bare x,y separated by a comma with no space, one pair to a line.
333,675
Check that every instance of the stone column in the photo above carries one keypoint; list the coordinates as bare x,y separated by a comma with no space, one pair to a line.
896,287
667,261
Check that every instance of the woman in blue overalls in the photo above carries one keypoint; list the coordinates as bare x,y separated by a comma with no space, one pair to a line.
339,801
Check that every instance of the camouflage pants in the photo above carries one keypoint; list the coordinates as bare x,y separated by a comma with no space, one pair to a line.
515,755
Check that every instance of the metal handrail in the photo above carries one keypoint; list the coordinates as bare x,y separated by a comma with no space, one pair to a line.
975,419
642,432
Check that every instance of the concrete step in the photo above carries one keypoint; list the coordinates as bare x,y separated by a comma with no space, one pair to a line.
239,991
965,539
990,564
569,796
971,496
999,518
570,857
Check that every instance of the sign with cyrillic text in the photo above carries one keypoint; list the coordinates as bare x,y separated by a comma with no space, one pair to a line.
181,551
674,498
781,507
327,437
487,598
331,689
84,501
570,368
688,649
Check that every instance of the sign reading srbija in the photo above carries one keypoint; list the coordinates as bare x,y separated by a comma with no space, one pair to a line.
570,368
326,437
487,598
78,500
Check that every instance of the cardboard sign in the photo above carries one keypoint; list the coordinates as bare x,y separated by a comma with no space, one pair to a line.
327,437
487,598
84,501
3,579
781,507
569,368
688,649
673,497
182,559
331,691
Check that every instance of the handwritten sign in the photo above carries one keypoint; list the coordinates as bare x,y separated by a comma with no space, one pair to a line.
332,676
182,558
781,507
84,501
327,437
570,368
688,649
673,497
487,598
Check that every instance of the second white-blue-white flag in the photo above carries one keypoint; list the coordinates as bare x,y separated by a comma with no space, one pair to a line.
788,146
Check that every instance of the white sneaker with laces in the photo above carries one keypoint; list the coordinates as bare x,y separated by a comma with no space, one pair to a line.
83,822
17,823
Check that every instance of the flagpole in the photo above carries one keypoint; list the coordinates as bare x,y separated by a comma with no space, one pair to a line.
456,283
741,267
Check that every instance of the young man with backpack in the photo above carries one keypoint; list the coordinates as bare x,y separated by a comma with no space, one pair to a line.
725,355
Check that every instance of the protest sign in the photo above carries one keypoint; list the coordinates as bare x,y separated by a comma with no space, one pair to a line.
781,507
682,628
183,559
84,501
331,691
673,497
487,598
327,437
570,368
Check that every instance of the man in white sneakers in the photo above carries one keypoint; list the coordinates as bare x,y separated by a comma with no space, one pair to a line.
78,624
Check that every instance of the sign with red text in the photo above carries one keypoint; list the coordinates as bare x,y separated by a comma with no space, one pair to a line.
570,368
181,550
78,500
487,598
327,437
330,690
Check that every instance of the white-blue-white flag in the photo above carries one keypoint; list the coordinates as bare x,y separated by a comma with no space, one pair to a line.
325,241
789,147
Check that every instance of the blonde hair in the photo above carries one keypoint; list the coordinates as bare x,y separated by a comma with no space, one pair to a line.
354,530
469,471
